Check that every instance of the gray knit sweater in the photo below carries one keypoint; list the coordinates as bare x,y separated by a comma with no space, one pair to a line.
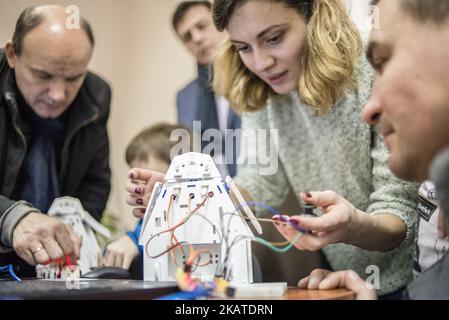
338,152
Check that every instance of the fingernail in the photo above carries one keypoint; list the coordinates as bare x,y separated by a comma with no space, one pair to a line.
313,284
303,282
138,190
139,202
275,218
294,222
131,175
143,210
308,194
324,283
284,218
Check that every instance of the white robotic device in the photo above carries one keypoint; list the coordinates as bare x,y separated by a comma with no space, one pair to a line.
195,202
71,212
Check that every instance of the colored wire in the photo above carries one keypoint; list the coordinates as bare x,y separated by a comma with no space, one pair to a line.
197,253
273,246
182,222
173,240
196,256
267,208
276,249
277,244
10,269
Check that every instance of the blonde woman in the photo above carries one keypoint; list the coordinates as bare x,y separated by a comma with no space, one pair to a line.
297,67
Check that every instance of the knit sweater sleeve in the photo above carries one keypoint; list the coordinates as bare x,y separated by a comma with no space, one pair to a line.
390,194
260,172
386,194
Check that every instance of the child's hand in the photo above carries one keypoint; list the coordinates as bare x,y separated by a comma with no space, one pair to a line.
120,253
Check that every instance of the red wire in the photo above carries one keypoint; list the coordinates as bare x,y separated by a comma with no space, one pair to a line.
172,229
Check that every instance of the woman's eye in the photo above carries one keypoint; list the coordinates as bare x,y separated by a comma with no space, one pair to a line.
242,49
275,39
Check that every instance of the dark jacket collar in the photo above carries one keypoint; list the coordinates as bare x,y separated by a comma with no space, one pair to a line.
82,110
8,88
3,63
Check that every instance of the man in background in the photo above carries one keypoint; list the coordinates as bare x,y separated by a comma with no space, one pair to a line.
192,22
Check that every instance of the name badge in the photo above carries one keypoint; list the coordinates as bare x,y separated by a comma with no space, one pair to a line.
426,208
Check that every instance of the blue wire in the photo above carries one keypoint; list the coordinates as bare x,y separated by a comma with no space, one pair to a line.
199,292
10,269
263,206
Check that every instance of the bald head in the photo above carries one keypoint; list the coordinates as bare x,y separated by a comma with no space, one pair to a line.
52,19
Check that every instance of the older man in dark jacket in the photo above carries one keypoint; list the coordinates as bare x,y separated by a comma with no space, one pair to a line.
53,136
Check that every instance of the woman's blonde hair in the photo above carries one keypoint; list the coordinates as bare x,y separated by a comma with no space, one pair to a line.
331,52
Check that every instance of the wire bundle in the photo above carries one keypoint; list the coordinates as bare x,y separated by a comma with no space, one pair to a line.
220,285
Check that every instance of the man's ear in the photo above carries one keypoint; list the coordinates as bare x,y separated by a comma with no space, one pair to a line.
11,54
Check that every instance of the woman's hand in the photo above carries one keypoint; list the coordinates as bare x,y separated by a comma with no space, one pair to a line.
140,186
340,222
120,253
321,279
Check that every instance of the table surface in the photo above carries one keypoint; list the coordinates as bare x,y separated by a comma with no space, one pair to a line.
135,290
301,294
294,293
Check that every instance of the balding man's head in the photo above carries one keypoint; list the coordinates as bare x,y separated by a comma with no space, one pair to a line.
33,17
49,59
436,11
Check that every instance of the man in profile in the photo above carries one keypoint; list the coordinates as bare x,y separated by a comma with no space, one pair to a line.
410,106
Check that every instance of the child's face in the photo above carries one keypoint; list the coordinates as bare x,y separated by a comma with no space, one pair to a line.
152,163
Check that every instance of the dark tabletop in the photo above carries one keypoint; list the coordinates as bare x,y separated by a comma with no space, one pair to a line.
85,289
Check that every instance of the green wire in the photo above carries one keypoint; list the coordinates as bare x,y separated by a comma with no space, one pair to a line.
276,249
